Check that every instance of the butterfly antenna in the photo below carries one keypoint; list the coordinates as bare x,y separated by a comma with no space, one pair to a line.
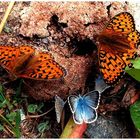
104,22
87,90
82,90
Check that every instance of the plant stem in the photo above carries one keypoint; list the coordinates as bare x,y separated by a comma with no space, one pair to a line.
6,15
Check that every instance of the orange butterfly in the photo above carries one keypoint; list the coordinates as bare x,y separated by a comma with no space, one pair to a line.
117,45
26,62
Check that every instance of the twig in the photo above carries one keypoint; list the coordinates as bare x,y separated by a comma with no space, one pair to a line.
10,6
4,119
7,128
37,116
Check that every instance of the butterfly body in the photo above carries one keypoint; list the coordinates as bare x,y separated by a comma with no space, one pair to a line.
84,107
117,46
116,41
26,62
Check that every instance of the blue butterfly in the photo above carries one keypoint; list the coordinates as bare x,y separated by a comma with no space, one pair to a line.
84,107
59,107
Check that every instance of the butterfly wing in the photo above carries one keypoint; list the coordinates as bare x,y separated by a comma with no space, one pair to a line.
90,104
100,84
89,114
7,56
84,112
42,67
92,99
78,112
59,105
23,62
117,46
111,66
11,57
84,107
73,102
122,22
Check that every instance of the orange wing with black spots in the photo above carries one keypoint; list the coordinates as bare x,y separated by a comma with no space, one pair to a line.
41,67
26,62
117,45
11,57
123,22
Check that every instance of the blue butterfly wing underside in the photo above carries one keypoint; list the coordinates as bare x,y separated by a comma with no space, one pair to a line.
84,107
59,106
100,84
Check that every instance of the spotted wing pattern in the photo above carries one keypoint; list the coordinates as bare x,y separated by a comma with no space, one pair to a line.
40,68
117,45
26,62
10,56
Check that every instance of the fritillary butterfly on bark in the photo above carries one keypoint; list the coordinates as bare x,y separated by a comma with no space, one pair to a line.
117,45
26,62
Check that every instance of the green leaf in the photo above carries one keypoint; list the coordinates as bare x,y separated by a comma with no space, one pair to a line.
7,121
136,63
17,125
2,98
2,105
12,116
135,71
1,128
135,114
1,89
43,126
40,106
32,108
